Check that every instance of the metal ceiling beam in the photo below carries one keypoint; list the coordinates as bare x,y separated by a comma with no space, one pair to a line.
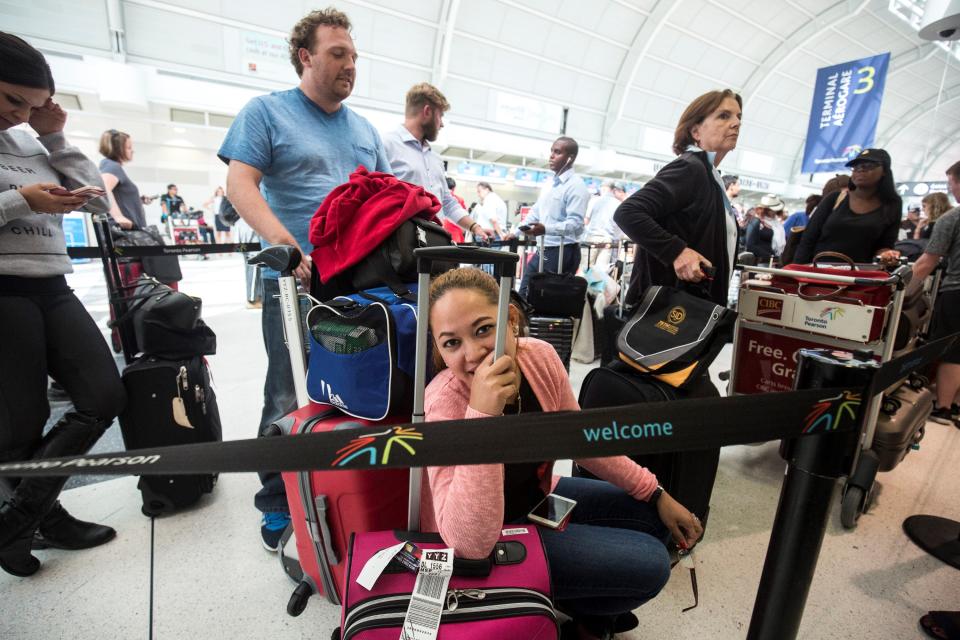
804,35
946,147
443,42
631,63
917,113
563,23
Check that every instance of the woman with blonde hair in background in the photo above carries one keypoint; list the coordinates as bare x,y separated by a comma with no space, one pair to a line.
934,205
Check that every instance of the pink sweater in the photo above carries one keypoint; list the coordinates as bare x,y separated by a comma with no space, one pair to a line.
465,503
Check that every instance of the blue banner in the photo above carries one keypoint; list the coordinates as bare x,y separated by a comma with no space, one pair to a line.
843,118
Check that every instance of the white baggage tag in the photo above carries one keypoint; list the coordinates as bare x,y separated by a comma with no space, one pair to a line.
428,599
180,413
375,566
180,409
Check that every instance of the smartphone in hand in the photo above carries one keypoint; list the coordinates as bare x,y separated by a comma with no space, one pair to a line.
86,192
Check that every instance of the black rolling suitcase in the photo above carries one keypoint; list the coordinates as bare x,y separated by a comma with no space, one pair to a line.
170,402
557,331
687,476
556,294
550,321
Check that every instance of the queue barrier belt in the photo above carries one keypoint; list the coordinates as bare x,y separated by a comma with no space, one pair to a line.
630,430
646,428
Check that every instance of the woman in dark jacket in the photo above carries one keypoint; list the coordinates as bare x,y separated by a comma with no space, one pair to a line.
863,225
681,220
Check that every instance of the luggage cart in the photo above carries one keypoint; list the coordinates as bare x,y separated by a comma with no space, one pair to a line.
185,230
805,307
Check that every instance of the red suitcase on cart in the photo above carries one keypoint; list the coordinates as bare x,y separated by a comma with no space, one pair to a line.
325,508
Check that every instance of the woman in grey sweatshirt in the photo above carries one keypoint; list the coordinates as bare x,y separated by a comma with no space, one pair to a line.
45,329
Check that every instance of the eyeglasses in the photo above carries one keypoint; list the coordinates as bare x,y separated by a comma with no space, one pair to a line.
866,165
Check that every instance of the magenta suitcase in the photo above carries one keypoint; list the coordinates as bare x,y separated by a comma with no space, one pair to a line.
512,602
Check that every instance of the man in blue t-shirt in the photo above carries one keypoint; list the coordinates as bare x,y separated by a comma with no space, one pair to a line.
286,151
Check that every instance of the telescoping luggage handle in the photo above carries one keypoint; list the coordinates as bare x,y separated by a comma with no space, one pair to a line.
504,266
541,248
286,259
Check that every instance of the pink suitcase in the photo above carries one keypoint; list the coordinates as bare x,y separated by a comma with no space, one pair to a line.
512,602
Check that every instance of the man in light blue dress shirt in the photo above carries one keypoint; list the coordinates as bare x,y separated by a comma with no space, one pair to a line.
413,160
558,214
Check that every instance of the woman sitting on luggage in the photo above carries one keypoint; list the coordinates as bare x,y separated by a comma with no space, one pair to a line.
863,225
600,571
763,228
46,329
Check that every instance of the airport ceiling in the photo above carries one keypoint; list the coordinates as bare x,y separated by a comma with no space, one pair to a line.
625,69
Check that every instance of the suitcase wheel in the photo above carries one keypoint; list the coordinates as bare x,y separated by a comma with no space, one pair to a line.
917,382
890,405
154,508
850,506
299,598
207,483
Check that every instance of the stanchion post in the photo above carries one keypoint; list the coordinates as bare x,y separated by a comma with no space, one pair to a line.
814,463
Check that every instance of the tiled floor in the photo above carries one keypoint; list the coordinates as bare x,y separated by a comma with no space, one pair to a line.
212,578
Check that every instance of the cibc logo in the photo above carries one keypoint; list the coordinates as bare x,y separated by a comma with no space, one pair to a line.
769,308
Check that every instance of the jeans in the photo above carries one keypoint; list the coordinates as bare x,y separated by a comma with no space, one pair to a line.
611,558
279,397
551,255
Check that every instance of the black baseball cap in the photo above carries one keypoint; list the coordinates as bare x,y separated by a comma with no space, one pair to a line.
872,155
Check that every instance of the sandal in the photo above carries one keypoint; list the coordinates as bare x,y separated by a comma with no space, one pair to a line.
942,625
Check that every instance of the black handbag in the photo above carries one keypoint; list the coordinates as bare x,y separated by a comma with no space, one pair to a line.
166,323
674,335
392,263
163,268
556,294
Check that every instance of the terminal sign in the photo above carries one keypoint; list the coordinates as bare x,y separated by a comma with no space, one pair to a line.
843,117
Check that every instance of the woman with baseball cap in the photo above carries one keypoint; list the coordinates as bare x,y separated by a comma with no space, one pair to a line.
864,224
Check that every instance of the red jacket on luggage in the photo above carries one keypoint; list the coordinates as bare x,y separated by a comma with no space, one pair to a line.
360,214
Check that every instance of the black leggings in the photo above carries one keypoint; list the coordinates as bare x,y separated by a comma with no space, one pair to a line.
52,334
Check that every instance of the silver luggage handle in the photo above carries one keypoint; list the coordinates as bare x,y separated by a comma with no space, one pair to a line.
505,265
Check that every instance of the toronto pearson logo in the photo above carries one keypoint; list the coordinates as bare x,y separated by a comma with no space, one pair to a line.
827,414
832,313
369,444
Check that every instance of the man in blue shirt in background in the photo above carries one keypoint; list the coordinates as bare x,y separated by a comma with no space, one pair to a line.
286,151
558,214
